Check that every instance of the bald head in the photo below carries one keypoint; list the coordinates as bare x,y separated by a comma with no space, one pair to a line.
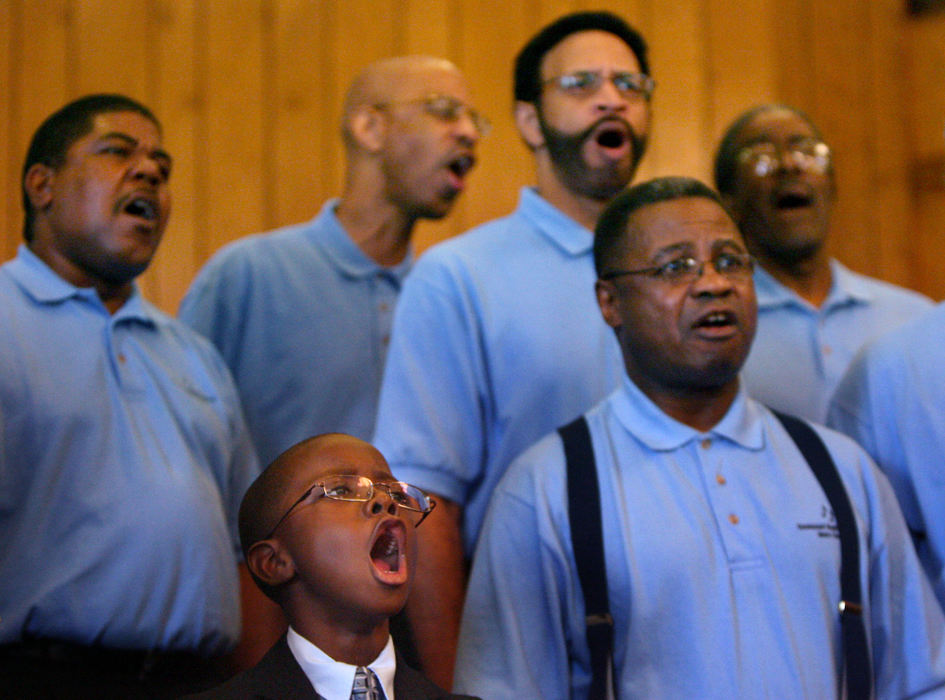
393,80
290,474
396,80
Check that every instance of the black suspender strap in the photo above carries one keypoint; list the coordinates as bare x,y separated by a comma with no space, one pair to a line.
857,671
588,543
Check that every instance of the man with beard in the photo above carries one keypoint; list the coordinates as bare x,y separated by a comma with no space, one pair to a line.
497,339
302,315
721,560
775,172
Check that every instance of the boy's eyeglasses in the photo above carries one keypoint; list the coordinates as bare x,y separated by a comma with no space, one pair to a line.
349,487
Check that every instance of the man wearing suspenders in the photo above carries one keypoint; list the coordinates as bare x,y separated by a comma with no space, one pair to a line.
726,530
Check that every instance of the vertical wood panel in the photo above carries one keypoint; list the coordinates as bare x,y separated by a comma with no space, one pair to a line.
36,89
925,102
890,142
840,44
234,38
741,59
679,135
173,70
306,110
110,47
9,172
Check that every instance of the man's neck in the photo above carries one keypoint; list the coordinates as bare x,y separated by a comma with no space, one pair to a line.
585,210
700,409
379,229
112,295
811,278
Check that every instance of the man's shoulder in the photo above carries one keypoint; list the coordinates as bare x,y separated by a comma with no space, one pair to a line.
251,249
880,292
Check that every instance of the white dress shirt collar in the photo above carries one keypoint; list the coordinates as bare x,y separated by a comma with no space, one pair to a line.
333,679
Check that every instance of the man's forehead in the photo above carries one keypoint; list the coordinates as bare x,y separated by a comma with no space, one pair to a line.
340,457
588,50
679,222
775,126
421,84
105,122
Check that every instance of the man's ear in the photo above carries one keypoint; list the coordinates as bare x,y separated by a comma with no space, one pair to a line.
368,127
270,563
38,185
607,300
526,119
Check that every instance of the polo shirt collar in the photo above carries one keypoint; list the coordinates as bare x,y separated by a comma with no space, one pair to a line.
742,424
845,288
330,237
563,231
41,283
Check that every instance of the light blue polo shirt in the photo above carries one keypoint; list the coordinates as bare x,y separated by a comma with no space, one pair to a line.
302,318
497,340
123,459
800,352
723,568
892,401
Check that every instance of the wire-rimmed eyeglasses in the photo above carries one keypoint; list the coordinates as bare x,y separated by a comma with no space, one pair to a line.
447,109
764,158
350,487
686,269
587,82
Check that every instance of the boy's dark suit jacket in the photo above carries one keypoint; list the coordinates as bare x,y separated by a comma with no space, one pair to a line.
278,676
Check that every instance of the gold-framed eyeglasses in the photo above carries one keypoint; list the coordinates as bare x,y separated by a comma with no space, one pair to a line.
446,109
685,270
350,487
582,83
808,155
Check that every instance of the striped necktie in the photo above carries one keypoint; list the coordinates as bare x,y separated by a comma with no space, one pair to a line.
366,686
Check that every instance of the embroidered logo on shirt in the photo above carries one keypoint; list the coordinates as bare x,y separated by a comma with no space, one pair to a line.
827,528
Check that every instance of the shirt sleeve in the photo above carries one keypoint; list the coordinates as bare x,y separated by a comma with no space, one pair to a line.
518,620
434,400
905,622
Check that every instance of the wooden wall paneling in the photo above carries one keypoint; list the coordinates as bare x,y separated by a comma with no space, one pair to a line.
38,82
791,36
305,110
926,104
926,77
110,47
742,61
234,159
175,94
9,170
547,11
840,44
677,34
429,27
890,142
